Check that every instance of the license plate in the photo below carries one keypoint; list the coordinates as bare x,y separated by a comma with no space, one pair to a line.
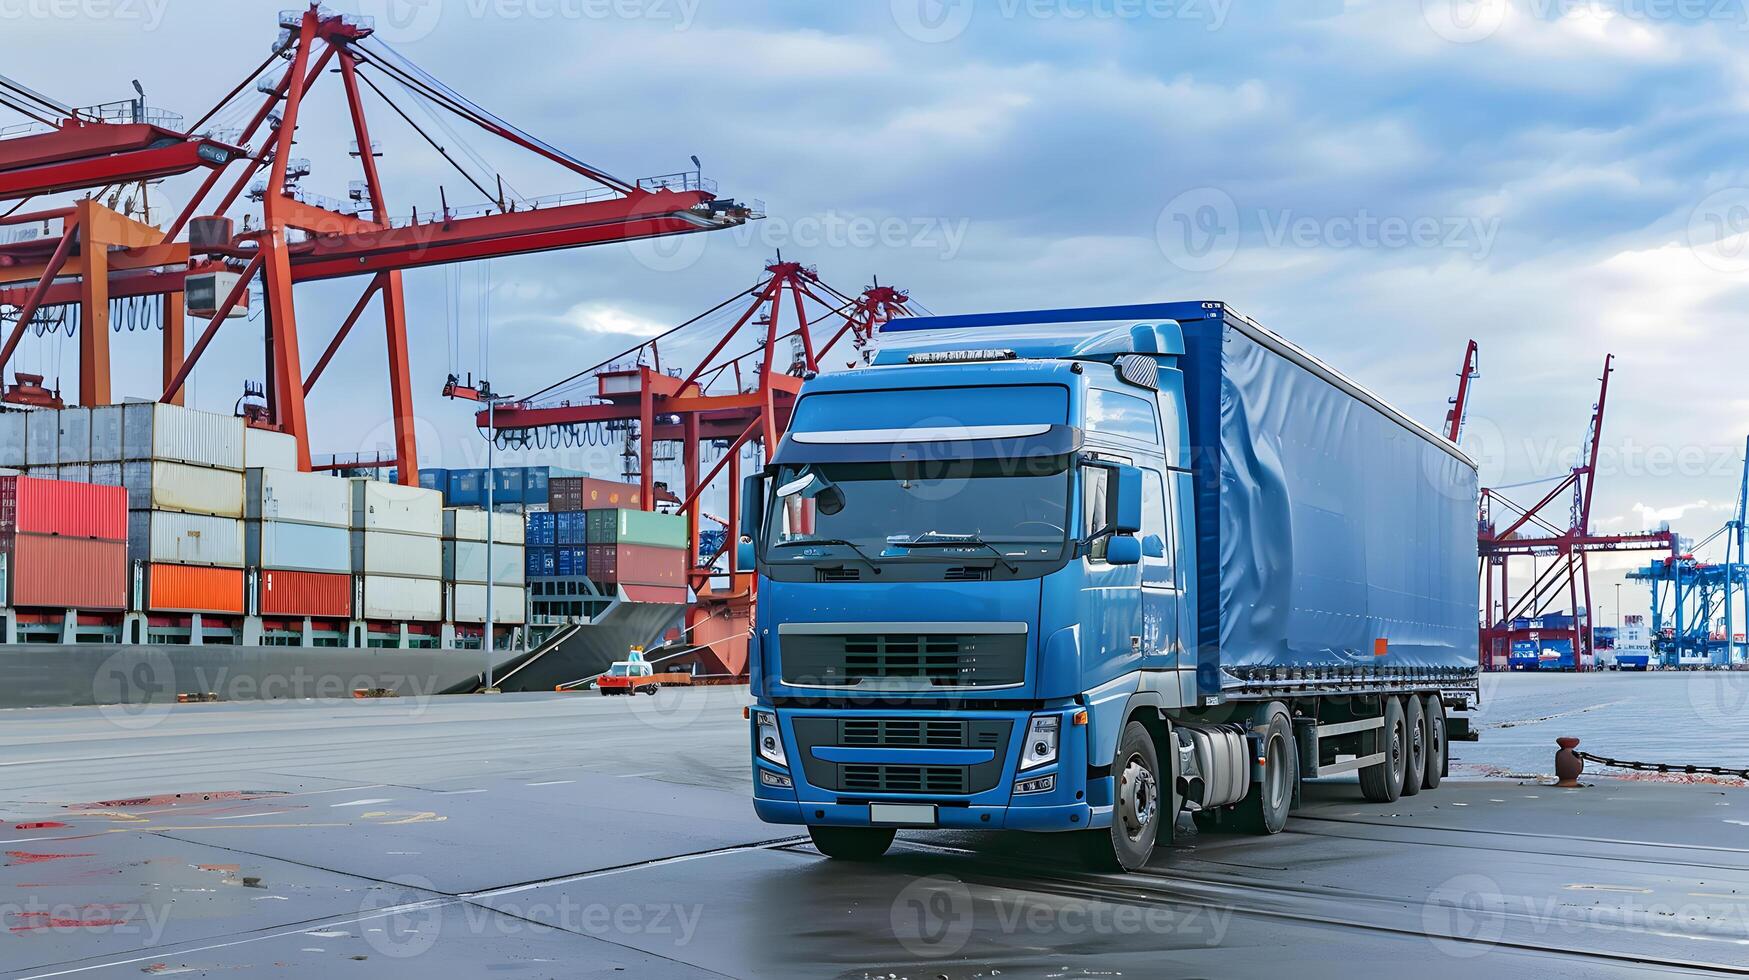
909,814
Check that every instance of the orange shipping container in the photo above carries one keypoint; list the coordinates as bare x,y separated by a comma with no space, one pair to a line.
67,573
194,588
305,594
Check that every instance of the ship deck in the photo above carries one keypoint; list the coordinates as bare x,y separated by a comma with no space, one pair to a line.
571,835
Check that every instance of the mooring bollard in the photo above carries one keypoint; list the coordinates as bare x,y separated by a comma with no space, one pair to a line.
1568,765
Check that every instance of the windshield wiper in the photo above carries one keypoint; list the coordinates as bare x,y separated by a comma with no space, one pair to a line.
962,541
800,542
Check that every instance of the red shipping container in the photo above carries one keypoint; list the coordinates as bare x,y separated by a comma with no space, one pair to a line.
57,507
637,564
323,594
66,573
566,493
194,588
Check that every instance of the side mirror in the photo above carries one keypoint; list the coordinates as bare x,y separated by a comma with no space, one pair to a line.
745,559
752,507
1123,500
1123,549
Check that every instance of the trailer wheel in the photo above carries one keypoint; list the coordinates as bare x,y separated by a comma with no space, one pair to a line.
852,843
1135,819
1415,759
1264,809
1437,747
1383,783
652,688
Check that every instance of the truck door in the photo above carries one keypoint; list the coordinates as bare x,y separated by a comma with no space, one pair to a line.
1159,575
1110,616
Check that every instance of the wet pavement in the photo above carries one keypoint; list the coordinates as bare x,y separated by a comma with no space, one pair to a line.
576,836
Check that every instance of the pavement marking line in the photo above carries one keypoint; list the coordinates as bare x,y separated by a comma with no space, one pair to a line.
551,782
362,802
1610,888
457,792
607,872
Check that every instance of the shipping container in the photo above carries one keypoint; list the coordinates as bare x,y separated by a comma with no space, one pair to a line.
588,493
42,438
534,484
156,431
394,553
307,498
636,564
71,472
465,561
282,592
466,488
433,478
106,430
73,442
387,597
571,561
637,527
186,539
541,528
540,562
378,506
290,546
269,449
468,603
194,588
65,572
106,474
183,488
571,527
14,427
75,510
468,524
507,484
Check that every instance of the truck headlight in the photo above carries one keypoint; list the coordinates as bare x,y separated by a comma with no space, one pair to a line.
770,742
1041,741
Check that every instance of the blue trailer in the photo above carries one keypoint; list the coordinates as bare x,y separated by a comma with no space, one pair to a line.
1086,570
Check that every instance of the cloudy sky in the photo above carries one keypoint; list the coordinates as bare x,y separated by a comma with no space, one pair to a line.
1380,181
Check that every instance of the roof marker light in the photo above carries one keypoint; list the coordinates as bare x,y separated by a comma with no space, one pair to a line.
956,356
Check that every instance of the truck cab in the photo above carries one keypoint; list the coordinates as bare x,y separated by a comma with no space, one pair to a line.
978,594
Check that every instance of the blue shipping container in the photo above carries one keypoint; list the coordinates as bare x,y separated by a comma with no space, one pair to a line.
540,529
541,562
466,488
507,485
571,561
570,528
534,484
432,478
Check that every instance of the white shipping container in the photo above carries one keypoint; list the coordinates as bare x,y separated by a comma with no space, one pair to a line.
418,600
308,498
155,431
378,506
73,444
393,553
73,472
42,441
13,426
469,524
106,427
468,604
181,487
465,561
185,539
276,450
293,547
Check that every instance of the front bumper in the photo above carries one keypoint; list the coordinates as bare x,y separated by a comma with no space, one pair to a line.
1077,801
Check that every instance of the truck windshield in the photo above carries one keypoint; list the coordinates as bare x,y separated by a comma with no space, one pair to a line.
933,510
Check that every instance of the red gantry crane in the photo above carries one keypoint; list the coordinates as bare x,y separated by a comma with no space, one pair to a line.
730,399
1534,531
100,255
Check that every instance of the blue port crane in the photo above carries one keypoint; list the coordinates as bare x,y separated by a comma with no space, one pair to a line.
1694,602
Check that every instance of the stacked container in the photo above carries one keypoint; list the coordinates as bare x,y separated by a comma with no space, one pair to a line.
635,547
465,569
298,538
397,550
571,493
540,561
183,472
65,544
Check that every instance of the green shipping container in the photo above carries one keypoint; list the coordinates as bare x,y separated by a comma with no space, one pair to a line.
636,527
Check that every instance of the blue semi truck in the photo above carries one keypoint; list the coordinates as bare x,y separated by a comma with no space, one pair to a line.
1086,570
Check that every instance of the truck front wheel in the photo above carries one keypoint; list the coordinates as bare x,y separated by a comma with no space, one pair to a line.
1383,782
1140,805
852,843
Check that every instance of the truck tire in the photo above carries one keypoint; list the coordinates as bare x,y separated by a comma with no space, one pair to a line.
1264,810
852,843
1437,748
1415,759
1383,783
1137,811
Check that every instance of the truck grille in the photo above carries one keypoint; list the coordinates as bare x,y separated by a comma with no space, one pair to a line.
903,779
904,659
902,731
